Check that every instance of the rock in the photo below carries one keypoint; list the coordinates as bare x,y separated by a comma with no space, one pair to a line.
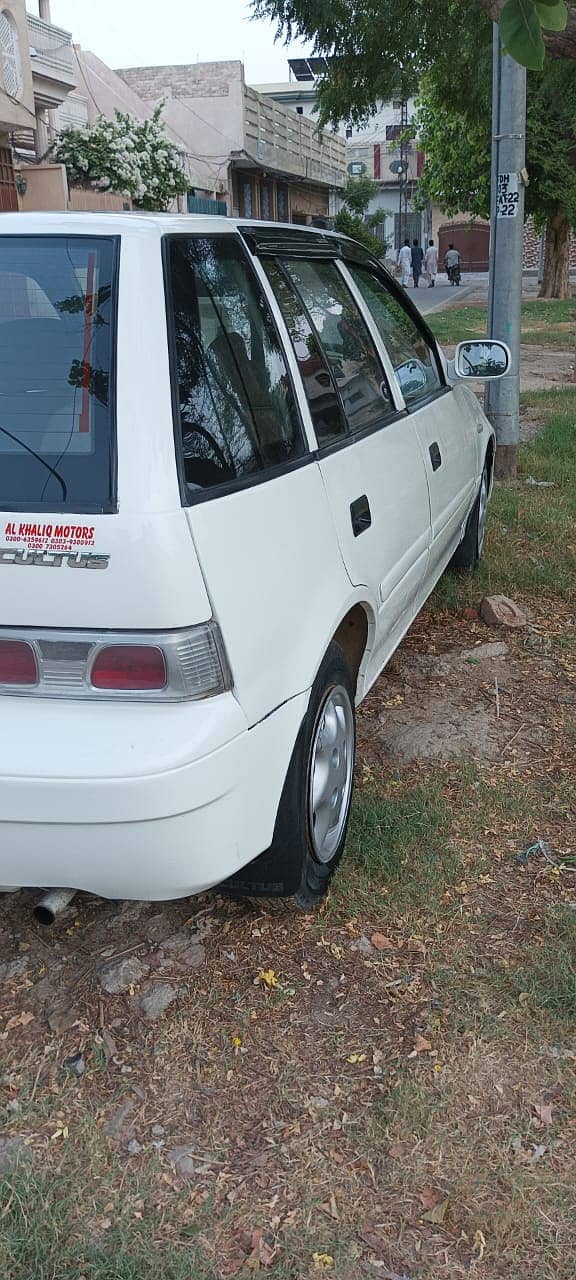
156,999
190,958
134,1147
119,975
117,1126
158,1131
75,1064
13,1105
11,969
500,611
318,1102
12,1152
363,945
183,1160
61,1019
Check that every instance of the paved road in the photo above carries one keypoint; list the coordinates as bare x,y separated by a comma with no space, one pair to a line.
441,295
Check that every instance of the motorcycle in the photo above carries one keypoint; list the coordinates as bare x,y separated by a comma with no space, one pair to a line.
454,274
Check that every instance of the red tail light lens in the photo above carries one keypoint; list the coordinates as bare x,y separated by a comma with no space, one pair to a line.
127,666
17,663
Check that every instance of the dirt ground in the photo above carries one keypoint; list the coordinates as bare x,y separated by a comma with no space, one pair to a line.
247,1082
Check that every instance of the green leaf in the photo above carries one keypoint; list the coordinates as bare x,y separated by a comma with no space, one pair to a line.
553,17
521,33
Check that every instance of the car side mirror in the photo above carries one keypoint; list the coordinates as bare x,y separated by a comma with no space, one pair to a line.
482,359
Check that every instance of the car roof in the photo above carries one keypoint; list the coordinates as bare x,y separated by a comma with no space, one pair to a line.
75,222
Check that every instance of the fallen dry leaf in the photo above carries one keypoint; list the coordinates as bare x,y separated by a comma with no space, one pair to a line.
322,1261
19,1020
381,942
429,1198
268,978
438,1213
543,1111
421,1044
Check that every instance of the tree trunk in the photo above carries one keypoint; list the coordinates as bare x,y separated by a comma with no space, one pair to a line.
556,277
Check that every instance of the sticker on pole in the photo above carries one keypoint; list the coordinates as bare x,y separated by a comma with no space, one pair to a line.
508,195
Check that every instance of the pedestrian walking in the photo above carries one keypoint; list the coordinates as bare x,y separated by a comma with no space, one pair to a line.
452,264
431,263
417,255
405,262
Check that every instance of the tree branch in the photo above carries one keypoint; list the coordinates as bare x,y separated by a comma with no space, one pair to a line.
559,44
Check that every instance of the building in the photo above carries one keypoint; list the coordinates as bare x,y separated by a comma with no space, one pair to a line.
257,154
17,104
373,150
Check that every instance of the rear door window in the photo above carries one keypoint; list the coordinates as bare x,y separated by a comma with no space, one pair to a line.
346,342
235,407
412,356
57,346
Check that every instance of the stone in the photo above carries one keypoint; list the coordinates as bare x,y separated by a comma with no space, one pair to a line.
501,611
183,1160
158,1131
318,1103
13,1105
363,945
75,1064
156,999
61,1019
11,969
117,1125
12,1152
119,975
134,1147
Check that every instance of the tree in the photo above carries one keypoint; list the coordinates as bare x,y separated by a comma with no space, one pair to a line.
352,220
453,126
127,155
381,47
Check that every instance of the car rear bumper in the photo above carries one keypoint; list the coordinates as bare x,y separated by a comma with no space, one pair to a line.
143,815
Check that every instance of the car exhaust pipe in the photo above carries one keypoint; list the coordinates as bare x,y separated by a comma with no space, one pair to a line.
53,904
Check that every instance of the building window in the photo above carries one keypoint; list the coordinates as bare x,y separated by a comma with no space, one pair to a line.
396,104
246,198
299,111
282,203
266,202
393,132
10,46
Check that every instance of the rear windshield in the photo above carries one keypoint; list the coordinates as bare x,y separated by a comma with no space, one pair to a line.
57,321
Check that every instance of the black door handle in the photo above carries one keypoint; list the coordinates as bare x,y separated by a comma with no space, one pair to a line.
360,515
435,455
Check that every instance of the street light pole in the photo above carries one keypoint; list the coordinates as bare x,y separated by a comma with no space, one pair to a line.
502,399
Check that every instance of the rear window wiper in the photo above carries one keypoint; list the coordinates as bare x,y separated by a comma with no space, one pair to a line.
39,458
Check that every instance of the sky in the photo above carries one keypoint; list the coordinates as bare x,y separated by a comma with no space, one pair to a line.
131,33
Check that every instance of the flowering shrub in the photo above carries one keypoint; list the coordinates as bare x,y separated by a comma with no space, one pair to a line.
131,156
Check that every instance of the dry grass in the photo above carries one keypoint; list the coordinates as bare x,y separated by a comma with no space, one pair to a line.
405,1109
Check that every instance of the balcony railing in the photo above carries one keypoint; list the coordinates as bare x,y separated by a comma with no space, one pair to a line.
53,63
291,144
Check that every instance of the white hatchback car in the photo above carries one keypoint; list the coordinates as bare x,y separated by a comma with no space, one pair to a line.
234,464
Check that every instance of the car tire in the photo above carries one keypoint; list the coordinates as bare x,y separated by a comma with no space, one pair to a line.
468,554
312,820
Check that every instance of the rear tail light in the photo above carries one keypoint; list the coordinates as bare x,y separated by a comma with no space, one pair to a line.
17,663
129,666
171,666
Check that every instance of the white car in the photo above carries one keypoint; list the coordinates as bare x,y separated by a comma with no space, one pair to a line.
233,465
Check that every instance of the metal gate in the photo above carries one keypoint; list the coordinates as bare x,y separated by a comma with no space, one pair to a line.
407,226
201,204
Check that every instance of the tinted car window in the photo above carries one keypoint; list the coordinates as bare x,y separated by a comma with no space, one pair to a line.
325,404
345,340
413,359
57,322
236,408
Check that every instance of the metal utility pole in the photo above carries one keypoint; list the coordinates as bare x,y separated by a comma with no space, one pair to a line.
502,399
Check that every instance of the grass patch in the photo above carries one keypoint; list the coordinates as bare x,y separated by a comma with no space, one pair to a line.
545,323
399,843
548,974
530,545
